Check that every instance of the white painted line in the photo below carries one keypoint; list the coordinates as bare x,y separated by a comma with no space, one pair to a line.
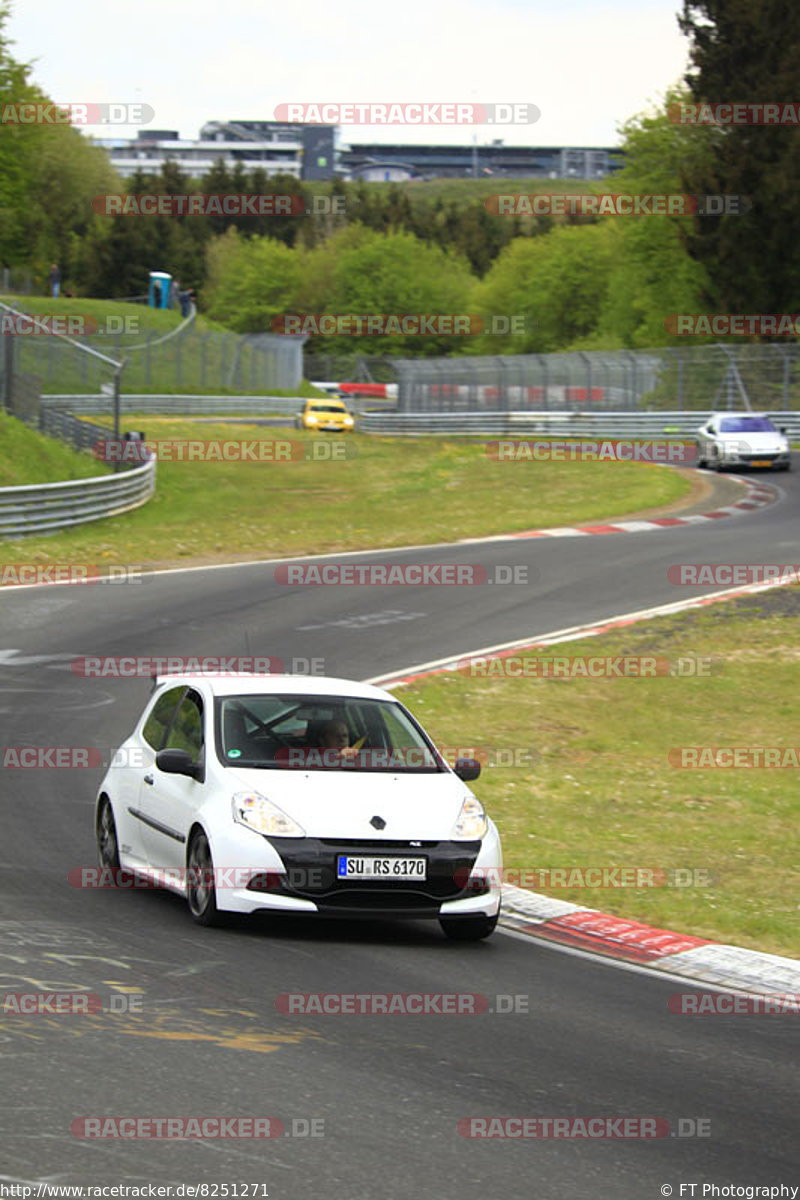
574,632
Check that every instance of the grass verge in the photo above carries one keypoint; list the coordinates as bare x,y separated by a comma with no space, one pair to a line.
29,457
601,791
385,493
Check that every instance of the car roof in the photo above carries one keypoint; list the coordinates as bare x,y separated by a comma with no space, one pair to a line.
740,416
248,683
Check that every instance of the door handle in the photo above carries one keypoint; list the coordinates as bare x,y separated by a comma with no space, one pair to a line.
149,779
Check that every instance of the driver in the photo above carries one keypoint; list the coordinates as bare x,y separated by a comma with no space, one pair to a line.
336,736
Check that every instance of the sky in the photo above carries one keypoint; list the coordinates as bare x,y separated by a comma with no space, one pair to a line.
586,65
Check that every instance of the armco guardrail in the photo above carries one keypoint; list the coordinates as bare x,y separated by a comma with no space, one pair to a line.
81,435
552,424
146,402
196,404
47,507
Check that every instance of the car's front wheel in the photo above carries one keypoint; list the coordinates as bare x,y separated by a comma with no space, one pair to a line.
468,929
107,842
200,891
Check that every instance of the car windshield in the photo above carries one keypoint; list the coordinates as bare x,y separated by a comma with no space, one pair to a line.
746,425
334,408
320,733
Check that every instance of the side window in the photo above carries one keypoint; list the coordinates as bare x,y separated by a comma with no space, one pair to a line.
187,728
156,724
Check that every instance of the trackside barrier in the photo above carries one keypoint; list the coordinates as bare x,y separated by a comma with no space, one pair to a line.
552,424
47,507
193,404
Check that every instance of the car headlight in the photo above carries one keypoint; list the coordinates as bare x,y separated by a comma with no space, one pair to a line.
348,420
471,824
311,420
262,816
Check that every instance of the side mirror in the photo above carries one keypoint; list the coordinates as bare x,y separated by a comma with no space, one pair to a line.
782,429
178,762
467,769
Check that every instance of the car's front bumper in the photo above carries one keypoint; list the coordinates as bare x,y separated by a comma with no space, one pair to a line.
461,878
770,460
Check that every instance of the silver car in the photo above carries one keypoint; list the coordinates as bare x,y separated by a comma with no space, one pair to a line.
742,440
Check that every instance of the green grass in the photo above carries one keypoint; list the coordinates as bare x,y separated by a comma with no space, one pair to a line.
29,457
601,792
391,493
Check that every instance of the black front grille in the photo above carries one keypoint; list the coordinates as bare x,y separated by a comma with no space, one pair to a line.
311,873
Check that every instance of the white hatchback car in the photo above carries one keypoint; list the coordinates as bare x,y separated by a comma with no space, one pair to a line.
297,794
742,440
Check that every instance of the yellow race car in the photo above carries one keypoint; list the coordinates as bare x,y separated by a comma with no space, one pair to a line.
328,414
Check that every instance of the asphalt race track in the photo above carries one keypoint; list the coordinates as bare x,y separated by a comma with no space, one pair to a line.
208,1040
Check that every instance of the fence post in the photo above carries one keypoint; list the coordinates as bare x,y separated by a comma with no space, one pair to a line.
8,371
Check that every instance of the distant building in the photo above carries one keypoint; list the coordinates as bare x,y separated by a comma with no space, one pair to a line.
376,170
378,160
275,147
313,152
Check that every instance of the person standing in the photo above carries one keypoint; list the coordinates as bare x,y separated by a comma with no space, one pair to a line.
54,279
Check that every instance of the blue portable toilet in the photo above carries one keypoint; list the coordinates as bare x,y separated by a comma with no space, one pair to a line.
160,289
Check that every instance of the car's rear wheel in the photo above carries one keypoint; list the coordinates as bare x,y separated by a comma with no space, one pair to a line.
107,842
200,891
468,929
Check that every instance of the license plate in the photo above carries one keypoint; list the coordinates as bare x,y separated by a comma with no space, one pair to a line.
356,866
761,462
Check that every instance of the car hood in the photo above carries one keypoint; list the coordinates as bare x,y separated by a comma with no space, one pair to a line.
751,443
341,804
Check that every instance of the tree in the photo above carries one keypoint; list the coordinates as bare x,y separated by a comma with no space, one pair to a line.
748,51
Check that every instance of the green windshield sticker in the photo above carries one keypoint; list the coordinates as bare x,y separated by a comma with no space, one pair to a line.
234,754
